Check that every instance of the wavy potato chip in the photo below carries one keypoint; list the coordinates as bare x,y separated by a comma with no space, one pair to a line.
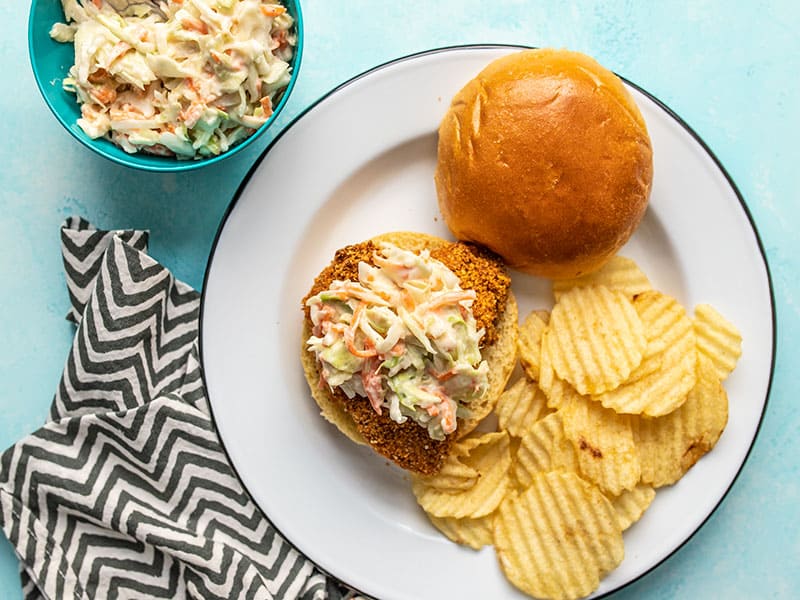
620,273
490,455
557,538
603,442
454,474
557,391
548,380
670,445
520,406
595,338
631,504
529,342
667,372
544,448
717,339
475,533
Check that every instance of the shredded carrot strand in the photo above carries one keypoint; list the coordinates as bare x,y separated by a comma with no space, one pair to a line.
272,11
350,335
266,105
194,24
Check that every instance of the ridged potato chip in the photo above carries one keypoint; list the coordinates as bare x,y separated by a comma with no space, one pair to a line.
619,273
543,448
520,406
595,338
490,455
717,338
549,382
670,445
557,538
603,442
667,372
529,342
631,504
454,474
475,533
557,391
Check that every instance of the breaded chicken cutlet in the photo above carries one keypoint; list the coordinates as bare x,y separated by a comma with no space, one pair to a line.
408,444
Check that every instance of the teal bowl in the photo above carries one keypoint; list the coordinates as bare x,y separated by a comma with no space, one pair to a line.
52,60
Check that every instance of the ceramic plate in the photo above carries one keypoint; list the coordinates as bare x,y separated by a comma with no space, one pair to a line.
358,163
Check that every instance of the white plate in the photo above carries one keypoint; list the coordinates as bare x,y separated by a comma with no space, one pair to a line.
361,162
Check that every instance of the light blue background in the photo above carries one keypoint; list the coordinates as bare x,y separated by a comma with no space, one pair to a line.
730,69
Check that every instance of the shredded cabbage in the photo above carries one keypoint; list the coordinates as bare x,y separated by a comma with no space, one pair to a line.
189,79
403,337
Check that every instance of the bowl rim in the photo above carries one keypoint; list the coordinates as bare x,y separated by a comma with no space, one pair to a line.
169,165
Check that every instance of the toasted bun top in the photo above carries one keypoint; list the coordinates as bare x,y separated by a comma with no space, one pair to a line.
545,159
408,445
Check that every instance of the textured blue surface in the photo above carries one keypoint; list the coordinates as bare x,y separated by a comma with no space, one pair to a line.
730,70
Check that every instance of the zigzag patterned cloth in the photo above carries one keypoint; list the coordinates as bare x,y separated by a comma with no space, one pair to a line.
127,492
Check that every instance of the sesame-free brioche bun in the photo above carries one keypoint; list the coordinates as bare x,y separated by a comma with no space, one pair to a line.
545,159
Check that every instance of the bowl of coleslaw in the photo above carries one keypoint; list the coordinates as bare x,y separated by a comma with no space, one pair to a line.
165,85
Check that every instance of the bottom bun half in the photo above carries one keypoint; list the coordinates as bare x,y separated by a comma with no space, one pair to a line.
408,444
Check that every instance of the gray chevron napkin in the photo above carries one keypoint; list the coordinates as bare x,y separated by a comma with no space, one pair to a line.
127,492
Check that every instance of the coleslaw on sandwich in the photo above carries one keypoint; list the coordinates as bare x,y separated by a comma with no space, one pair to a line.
403,337
188,79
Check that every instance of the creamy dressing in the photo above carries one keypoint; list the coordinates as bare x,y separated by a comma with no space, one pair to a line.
403,337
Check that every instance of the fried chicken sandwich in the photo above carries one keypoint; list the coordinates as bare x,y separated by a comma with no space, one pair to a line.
408,340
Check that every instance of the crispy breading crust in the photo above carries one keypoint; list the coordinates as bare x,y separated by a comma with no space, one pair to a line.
480,270
407,444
